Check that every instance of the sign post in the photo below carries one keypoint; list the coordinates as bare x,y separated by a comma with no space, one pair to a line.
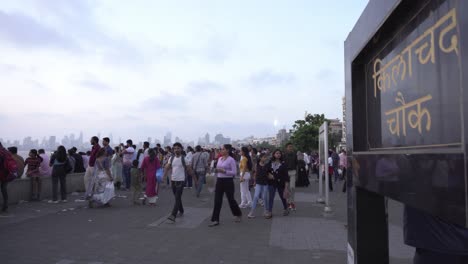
407,114
323,154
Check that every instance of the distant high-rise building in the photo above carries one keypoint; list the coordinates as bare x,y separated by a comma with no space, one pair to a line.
221,140
52,142
80,139
282,136
167,139
207,139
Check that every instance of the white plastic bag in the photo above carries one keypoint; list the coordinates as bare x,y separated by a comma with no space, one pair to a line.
109,193
211,182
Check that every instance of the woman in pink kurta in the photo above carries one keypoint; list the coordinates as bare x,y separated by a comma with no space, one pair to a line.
149,166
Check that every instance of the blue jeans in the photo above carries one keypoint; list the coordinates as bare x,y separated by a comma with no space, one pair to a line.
271,195
201,178
260,191
177,190
126,175
189,180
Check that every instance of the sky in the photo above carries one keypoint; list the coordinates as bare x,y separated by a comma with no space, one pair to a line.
141,68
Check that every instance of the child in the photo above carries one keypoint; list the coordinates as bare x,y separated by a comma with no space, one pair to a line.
136,178
33,162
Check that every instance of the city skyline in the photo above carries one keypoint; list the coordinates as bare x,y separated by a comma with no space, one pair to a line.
143,68
70,140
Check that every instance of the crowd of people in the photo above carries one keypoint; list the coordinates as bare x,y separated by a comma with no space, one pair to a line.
145,171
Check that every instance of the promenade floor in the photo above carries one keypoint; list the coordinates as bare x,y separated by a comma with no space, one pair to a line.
71,233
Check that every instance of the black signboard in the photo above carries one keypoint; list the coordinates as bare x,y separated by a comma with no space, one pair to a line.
408,109
406,65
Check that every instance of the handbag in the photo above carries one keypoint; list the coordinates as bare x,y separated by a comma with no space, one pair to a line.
159,175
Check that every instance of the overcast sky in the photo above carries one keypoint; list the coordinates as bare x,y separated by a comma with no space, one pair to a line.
141,68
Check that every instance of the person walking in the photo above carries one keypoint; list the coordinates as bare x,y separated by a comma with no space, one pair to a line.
200,166
137,180
60,166
189,157
245,168
92,159
128,153
279,182
102,189
290,159
149,166
226,170
261,175
177,164
116,167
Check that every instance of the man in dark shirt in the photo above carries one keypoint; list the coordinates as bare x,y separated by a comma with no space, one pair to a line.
79,165
290,158
436,241
92,159
105,145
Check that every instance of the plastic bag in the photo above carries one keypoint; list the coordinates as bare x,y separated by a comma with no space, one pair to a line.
159,175
107,195
210,182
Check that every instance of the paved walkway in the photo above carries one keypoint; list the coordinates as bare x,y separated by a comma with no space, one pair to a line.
73,234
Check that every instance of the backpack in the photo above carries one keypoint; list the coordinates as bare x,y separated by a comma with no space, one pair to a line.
182,158
183,161
8,168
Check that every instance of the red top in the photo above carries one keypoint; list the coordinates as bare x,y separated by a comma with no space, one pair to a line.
92,157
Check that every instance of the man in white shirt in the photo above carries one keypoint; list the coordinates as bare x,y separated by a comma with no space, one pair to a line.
179,167
188,159
128,154
145,154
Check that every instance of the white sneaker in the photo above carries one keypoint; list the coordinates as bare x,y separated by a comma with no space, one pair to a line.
242,206
52,202
64,201
249,204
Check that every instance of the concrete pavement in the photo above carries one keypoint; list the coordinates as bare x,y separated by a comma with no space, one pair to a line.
73,234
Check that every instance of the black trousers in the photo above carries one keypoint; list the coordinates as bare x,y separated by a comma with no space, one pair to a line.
4,185
224,185
177,190
423,256
59,175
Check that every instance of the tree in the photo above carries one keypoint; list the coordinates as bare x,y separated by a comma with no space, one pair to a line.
305,133
264,144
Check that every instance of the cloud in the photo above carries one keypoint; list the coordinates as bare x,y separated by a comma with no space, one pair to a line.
325,74
24,31
166,101
204,86
218,48
270,78
96,85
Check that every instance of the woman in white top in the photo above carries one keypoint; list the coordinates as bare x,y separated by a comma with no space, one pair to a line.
245,169
117,167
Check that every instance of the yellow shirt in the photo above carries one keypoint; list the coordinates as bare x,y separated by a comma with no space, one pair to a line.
243,165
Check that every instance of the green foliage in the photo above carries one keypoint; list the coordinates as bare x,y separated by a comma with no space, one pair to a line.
264,144
304,134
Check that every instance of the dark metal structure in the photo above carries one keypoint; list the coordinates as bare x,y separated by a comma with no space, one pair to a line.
406,65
